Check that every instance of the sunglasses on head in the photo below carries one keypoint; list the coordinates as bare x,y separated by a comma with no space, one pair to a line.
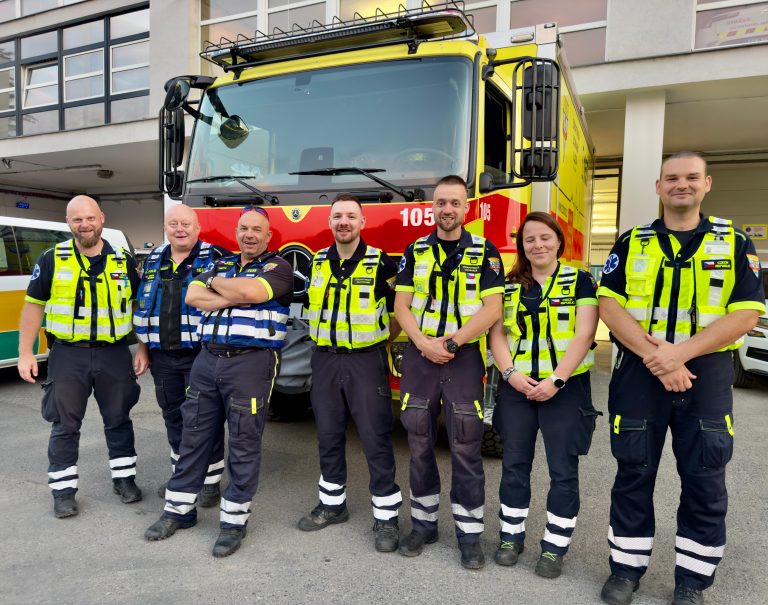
252,208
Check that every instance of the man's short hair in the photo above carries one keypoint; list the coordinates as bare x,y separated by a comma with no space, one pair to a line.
679,155
452,179
346,197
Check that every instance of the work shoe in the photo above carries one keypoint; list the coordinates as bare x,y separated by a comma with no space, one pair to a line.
472,556
321,517
413,543
685,595
64,505
549,565
618,590
127,489
229,541
165,527
209,496
508,552
387,535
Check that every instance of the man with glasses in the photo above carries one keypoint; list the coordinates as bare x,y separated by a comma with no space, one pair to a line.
244,299
167,330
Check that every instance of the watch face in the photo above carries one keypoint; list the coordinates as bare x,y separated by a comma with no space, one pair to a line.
559,383
451,345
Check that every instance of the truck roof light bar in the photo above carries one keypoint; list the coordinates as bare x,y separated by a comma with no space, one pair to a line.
446,20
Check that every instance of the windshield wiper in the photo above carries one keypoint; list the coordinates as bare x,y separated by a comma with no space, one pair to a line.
263,197
408,196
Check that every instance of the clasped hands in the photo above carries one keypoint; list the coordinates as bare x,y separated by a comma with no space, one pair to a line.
668,366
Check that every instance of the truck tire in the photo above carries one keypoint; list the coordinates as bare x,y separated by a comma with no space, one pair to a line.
742,379
491,446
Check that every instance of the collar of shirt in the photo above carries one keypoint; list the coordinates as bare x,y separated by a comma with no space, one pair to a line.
185,264
465,241
703,227
357,255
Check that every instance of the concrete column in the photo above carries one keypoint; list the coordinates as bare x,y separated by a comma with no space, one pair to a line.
643,143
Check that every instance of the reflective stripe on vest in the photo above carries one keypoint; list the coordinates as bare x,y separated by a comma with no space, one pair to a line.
441,306
345,314
146,318
256,325
69,311
538,342
674,299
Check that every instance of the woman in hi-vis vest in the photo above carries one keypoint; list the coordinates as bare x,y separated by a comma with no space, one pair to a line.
543,348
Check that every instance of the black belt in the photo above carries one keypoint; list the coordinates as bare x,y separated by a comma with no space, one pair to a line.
87,344
346,351
230,351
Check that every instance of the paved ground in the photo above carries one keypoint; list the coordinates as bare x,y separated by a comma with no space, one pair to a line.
100,556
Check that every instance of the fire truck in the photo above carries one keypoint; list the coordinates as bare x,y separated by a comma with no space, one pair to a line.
380,107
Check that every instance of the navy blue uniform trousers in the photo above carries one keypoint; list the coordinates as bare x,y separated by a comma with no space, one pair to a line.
701,422
566,422
236,389
456,388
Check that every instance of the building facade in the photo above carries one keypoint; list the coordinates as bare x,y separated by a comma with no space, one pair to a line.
81,82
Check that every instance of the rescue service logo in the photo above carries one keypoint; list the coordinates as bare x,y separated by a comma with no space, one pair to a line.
611,263
754,265
494,264
35,272
401,266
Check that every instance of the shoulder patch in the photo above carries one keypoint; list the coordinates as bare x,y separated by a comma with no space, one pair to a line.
611,263
401,266
269,267
754,264
592,280
35,273
494,263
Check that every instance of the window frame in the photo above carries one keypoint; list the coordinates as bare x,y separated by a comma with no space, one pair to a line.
113,70
26,72
91,74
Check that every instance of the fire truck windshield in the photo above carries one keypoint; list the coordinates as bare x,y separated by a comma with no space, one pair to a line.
410,118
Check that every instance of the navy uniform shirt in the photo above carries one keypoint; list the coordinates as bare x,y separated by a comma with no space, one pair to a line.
585,291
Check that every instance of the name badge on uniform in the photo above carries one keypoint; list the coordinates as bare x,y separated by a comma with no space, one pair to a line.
567,301
469,269
639,263
716,264
362,281
64,275
717,248
420,270
317,280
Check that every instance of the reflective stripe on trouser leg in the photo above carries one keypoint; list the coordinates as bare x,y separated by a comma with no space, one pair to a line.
123,467
424,512
63,480
234,514
180,504
632,554
468,521
215,470
512,523
557,535
174,460
332,495
696,558
385,508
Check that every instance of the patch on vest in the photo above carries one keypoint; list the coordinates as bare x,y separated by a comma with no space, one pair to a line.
611,263
754,264
716,264
362,281
562,302
469,269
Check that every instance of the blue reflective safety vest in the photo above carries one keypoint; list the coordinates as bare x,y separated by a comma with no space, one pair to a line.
146,318
255,325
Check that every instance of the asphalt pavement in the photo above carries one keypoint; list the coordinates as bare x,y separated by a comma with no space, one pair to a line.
101,557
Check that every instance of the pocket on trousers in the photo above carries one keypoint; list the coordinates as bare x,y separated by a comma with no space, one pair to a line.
467,422
244,415
582,440
716,443
48,408
414,414
629,440
190,409
162,400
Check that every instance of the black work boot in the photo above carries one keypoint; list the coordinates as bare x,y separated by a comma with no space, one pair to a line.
64,505
321,517
127,489
508,552
618,590
472,556
549,565
209,496
229,541
387,535
413,543
685,595
165,527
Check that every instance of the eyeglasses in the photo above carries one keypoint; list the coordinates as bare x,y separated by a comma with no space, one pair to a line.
252,208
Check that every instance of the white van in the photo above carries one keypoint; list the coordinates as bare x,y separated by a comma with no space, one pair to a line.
22,241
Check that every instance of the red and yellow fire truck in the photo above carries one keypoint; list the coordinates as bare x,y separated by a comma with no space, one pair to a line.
380,107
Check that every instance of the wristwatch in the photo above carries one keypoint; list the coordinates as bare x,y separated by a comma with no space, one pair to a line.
559,382
451,345
506,374
209,282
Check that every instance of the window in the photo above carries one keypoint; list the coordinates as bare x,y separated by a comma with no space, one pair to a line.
129,110
7,89
41,85
32,243
736,23
84,35
83,116
303,16
129,24
496,129
130,67
483,18
366,8
42,44
84,76
216,9
40,122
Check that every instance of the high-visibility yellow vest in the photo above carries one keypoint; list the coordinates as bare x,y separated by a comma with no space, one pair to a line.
441,304
70,309
346,313
674,299
539,341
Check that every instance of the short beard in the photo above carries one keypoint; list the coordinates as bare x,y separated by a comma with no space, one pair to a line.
88,241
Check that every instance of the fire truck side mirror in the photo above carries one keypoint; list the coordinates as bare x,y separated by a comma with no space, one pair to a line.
171,151
177,92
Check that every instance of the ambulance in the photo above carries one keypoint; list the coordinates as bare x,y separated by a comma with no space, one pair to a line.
382,108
